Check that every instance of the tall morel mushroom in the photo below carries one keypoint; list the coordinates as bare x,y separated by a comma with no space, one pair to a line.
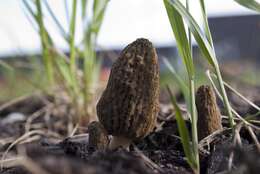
129,105
209,118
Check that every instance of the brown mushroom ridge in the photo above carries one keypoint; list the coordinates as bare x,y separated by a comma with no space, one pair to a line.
98,137
209,118
129,105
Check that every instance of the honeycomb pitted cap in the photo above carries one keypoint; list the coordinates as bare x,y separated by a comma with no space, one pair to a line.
209,118
129,105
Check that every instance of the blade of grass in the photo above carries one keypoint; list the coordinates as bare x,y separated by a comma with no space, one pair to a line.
45,42
66,7
83,8
250,4
180,82
72,36
38,17
221,98
6,66
64,70
195,29
206,24
192,81
73,63
183,131
90,38
99,7
184,48
189,32
56,21
29,9
192,105
180,37
30,19
238,94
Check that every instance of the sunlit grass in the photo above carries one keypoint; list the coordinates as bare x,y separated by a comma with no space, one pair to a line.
80,82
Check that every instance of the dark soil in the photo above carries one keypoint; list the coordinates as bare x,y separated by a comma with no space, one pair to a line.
52,151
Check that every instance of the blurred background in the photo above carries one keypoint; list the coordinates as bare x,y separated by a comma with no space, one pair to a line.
234,28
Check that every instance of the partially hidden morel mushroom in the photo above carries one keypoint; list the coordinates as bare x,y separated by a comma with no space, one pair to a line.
129,105
98,137
209,118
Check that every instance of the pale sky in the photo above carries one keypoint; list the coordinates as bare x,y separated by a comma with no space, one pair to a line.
125,20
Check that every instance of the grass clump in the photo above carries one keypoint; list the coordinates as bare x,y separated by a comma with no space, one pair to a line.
78,81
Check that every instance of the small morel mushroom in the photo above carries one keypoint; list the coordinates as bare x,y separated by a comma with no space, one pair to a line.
209,119
98,137
129,105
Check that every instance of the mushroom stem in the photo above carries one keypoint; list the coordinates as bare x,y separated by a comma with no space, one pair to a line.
119,141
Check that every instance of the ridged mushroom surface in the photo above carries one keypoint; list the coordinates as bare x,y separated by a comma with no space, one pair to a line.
129,105
209,118
98,137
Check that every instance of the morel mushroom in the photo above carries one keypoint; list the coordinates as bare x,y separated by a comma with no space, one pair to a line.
129,105
209,119
98,137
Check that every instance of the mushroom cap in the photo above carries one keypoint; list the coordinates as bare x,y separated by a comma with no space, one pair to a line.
209,119
98,137
128,106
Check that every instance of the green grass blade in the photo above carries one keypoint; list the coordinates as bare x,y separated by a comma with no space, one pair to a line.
38,17
196,31
180,37
189,32
55,19
180,82
183,131
241,96
206,24
45,40
222,99
184,48
99,7
193,109
72,38
91,32
29,9
91,66
6,66
96,74
251,4
83,8
66,7
73,63
31,19
64,70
